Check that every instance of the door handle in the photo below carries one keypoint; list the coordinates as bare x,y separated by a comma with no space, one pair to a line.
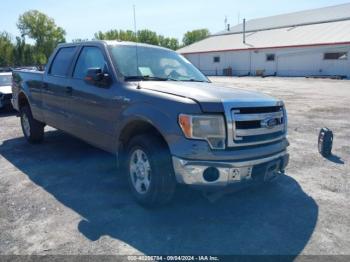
69,90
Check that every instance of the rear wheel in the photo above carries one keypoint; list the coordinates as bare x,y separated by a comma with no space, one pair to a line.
150,172
33,130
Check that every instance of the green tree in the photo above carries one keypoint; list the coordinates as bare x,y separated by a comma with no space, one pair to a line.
112,35
43,30
127,35
171,43
24,54
19,51
116,35
28,55
99,35
191,37
143,36
148,37
6,49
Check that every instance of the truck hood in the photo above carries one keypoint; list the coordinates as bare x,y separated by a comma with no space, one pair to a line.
208,95
5,89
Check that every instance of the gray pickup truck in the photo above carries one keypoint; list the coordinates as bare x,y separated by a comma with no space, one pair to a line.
162,118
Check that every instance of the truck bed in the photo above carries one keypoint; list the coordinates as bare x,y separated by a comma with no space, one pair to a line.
24,78
28,75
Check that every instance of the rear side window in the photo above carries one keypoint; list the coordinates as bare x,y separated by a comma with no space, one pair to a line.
62,61
90,57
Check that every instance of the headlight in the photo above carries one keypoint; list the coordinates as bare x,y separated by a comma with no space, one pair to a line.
204,127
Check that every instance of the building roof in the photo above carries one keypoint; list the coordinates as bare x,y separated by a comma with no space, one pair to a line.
329,25
313,16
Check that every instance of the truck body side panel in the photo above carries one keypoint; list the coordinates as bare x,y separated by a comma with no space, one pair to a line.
30,84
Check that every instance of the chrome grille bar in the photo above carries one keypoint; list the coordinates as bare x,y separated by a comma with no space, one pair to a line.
259,131
254,117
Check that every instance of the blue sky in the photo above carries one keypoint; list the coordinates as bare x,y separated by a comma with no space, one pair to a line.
81,19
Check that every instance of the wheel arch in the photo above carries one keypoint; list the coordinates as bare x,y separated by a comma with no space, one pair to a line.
135,127
22,100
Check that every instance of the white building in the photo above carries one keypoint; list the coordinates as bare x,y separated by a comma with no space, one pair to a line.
314,42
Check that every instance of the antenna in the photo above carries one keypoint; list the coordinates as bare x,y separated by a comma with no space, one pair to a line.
136,37
135,29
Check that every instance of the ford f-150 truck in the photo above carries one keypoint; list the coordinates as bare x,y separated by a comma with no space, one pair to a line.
162,118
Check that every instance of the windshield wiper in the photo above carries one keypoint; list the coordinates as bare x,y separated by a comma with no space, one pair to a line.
194,80
157,78
145,78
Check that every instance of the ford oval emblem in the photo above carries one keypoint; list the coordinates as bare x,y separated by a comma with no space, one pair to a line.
269,122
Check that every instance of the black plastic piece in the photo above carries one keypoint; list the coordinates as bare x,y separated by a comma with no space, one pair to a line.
211,174
325,142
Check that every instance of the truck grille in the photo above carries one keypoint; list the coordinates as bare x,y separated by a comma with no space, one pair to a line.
257,125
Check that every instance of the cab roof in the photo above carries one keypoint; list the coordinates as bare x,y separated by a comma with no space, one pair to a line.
112,43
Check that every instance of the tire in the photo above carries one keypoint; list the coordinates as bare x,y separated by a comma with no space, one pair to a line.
156,180
32,129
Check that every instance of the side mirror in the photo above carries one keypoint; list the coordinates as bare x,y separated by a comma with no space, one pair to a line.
96,76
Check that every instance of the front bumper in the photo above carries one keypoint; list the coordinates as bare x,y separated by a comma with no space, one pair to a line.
191,172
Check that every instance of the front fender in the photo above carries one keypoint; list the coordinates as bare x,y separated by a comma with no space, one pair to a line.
165,123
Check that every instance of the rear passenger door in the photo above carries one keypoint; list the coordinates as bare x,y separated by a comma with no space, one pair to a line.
92,110
55,90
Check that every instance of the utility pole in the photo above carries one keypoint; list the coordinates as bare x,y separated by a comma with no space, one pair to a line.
244,31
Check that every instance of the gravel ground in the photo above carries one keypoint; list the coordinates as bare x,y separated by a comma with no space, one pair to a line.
65,197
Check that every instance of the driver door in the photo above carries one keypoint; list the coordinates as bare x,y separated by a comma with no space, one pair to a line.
91,109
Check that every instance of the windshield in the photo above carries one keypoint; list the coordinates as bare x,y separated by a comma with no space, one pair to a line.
5,80
148,63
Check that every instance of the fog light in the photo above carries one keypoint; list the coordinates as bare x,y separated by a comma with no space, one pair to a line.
211,174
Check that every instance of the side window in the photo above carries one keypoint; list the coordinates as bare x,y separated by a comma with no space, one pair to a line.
216,59
88,58
62,61
335,56
270,57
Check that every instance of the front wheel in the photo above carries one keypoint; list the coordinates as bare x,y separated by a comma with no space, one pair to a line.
33,130
150,173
